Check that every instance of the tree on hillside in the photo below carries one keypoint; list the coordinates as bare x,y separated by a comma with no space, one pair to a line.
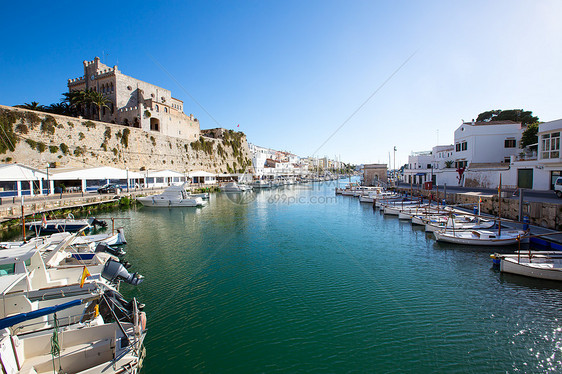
34,105
59,108
529,136
516,115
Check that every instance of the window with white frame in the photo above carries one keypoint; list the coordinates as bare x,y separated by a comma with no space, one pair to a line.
550,145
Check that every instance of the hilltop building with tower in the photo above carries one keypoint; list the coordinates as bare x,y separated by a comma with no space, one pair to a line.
136,103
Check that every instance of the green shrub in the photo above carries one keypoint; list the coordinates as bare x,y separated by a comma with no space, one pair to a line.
115,151
32,118
90,124
153,141
32,143
125,137
104,146
41,147
9,137
81,135
63,148
79,151
22,128
53,149
70,124
147,113
48,125
107,133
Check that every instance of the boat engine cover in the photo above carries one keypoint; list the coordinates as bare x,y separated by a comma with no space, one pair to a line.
113,271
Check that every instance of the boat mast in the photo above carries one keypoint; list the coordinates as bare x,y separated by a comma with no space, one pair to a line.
500,207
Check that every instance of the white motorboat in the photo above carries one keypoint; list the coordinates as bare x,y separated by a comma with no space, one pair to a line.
68,224
536,264
203,195
89,345
49,270
173,196
481,237
236,187
261,184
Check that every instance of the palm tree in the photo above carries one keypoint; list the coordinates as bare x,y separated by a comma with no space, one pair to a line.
33,106
99,100
59,108
76,100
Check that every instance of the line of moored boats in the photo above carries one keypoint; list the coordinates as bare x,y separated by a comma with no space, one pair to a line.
60,307
181,196
451,225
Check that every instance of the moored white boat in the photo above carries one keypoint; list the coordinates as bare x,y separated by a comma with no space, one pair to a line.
535,264
366,199
481,237
173,196
236,187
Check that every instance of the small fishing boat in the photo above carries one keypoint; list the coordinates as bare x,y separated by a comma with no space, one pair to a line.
366,199
461,222
481,237
535,264
173,196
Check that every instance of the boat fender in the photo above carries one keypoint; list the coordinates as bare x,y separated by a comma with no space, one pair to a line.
142,316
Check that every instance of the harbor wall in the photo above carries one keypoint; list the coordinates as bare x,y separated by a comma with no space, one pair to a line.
39,139
542,214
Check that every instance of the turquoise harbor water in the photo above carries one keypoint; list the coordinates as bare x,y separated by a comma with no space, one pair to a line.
299,280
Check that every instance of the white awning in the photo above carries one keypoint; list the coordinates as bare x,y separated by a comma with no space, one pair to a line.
163,173
200,173
102,172
18,172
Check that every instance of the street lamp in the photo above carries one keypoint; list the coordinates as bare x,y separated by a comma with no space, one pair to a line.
394,168
48,182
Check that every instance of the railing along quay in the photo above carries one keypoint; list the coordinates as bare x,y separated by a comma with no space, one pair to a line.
46,204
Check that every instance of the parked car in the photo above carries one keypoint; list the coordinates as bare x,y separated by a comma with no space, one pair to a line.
109,188
558,186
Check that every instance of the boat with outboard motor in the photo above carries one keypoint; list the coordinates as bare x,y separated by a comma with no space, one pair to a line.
173,196
51,269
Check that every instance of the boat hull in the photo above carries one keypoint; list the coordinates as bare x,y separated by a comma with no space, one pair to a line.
154,203
442,236
510,265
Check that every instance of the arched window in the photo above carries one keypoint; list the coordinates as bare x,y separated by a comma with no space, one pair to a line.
111,86
157,109
165,110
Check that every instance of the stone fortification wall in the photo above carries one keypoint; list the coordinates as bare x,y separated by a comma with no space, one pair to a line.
36,139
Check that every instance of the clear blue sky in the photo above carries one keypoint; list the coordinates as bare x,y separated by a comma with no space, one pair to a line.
292,72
